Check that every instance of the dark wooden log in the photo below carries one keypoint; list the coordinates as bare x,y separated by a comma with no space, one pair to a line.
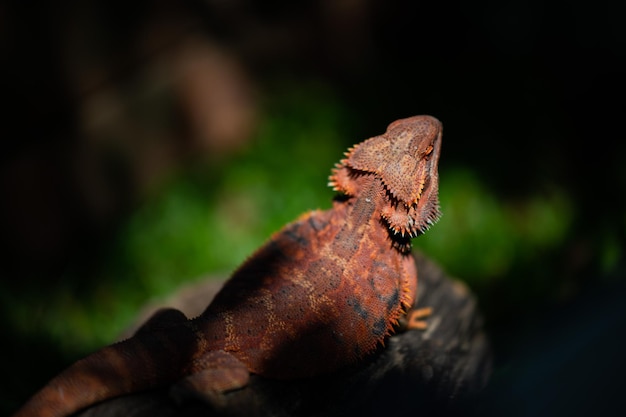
429,372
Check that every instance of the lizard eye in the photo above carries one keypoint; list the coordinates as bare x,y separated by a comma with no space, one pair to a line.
428,150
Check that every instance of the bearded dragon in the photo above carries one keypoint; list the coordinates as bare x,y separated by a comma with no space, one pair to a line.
322,294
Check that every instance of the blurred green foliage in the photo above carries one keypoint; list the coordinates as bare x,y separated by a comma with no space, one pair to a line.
481,238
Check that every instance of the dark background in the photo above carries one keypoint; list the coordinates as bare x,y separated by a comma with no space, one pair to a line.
106,104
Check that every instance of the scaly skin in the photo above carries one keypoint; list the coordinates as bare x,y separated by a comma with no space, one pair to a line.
324,292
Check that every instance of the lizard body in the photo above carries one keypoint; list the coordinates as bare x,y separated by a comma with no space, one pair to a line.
323,293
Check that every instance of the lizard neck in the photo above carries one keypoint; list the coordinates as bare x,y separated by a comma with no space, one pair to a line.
362,219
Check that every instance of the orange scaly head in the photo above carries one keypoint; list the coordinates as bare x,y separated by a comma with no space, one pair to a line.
405,159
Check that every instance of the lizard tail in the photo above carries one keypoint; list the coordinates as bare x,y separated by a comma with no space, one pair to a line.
145,361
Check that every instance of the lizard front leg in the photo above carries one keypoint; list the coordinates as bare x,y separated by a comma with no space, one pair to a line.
414,318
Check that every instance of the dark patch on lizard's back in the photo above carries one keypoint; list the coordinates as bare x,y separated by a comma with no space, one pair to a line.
295,236
393,301
379,329
358,308
318,222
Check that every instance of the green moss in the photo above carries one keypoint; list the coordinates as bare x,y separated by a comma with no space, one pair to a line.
481,237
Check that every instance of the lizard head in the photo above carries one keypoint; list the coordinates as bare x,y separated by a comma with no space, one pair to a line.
405,160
